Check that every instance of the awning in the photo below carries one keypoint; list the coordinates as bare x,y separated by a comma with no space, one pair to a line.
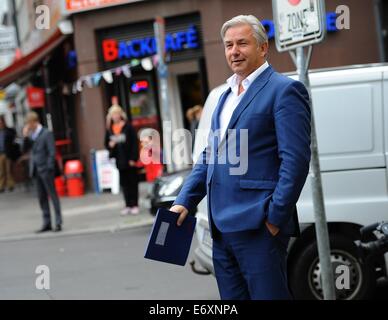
26,63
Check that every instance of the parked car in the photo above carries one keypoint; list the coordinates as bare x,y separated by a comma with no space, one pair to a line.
351,115
165,190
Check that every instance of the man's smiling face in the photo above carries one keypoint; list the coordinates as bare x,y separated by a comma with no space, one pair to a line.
242,50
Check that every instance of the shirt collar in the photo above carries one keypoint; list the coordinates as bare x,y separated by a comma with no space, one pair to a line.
233,80
38,129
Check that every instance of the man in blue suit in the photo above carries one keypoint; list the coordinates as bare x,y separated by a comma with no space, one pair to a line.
265,118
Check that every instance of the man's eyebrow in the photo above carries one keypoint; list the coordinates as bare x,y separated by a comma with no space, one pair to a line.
238,40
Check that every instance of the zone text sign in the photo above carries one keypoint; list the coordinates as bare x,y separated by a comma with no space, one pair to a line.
298,23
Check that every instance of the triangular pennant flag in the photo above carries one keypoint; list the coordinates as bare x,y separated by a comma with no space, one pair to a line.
107,75
118,71
74,88
96,79
89,81
135,63
79,84
146,63
127,71
155,60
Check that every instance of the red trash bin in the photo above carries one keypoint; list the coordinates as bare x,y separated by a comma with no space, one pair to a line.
60,186
74,181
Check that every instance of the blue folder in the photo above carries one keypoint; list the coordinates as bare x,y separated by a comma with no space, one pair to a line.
168,242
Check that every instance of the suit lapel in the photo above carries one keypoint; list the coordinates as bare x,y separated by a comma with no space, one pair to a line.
257,85
215,125
218,109
36,141
253,90
40,133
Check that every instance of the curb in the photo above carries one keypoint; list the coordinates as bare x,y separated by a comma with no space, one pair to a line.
112,229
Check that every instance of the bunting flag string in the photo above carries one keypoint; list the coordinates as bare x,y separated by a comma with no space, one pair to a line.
94,80
107,75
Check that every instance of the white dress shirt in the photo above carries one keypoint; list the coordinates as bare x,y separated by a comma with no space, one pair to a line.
234,98
36,132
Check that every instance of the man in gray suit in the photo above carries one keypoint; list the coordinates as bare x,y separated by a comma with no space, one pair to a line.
40,142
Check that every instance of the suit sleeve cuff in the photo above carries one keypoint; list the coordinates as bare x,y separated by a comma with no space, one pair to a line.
183,202
278,215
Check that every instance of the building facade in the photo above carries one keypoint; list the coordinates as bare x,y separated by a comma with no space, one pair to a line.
113,33
113,36
34,81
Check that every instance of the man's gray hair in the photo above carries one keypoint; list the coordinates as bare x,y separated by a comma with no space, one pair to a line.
259,31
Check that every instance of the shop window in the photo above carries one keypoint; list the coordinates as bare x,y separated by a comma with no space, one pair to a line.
190,93
142,101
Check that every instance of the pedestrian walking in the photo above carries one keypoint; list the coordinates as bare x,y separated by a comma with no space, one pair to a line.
39,142
193,115
252,212
122,143
7,155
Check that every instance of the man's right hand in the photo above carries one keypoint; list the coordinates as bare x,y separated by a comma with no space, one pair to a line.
182,211
26,131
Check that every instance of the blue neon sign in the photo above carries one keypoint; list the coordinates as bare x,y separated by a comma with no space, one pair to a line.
142,47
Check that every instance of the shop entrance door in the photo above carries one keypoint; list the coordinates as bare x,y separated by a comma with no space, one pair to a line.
190,93
186,92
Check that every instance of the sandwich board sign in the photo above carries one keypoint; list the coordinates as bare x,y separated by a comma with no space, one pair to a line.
298,23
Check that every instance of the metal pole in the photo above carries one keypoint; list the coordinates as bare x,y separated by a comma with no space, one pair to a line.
159,29
14,21
379,27
48,92
322,233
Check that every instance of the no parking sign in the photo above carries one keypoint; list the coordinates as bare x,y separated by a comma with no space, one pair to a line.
298,23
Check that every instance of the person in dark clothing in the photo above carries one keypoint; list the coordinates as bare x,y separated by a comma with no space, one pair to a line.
122,143
7,155
40,143
193,115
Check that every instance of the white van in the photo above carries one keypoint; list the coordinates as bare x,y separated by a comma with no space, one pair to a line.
351,113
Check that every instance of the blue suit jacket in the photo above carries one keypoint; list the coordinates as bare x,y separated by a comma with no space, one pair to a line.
275,111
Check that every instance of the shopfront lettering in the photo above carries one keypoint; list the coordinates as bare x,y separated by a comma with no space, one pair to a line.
114,50
297,20
137,48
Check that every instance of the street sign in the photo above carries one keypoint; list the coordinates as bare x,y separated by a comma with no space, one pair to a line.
298,23
35,97
107,173
7,38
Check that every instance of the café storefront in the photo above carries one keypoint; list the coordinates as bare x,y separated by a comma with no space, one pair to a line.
138,94
110,37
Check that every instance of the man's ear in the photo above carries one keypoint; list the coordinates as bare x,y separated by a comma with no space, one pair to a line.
264,49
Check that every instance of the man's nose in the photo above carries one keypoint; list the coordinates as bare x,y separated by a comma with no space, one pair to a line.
235,51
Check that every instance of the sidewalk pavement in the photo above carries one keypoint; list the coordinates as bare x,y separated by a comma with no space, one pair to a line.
21,216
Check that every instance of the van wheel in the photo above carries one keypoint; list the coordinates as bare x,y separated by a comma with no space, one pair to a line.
305,273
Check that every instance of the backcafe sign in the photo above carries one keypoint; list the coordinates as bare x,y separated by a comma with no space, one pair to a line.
114,50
